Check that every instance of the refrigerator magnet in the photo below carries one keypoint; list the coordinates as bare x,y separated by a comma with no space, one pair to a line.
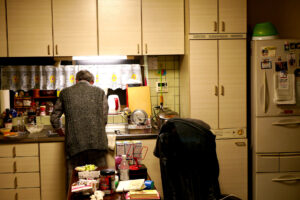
291,57
297,45
292,45
268,51
266,64
286,46
280,66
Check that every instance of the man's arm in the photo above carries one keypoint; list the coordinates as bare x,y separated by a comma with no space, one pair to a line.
55,117
105,108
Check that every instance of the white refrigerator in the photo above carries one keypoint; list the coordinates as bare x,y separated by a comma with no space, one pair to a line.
275,119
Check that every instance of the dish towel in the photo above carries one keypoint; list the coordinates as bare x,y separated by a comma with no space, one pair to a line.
111,141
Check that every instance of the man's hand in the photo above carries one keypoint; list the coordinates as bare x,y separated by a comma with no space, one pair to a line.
60,132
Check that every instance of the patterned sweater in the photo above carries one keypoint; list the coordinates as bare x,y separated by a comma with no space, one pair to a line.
85,108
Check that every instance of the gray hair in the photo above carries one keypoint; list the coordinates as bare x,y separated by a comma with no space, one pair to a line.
85,75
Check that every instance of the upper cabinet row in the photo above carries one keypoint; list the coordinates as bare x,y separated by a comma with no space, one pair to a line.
218,16
71,27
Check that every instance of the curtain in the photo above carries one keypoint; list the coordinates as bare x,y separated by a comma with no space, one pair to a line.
52,78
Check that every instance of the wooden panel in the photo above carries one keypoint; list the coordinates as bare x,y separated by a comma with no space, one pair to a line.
232,157
8,194
27,164
119,27
75,27
163,27
232,77
203,81
28,180
3,38
234,15
6,150
203,16
53,173
27,149
7,165
29,28
19,180
28,194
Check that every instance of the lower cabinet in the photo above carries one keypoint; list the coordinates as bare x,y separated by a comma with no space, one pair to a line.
33,171
53,171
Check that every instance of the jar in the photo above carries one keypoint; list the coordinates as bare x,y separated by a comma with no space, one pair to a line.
107,181
42,110
49,108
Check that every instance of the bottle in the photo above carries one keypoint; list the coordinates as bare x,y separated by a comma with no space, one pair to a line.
124,169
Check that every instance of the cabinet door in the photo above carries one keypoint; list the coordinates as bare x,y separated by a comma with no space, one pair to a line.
19,164
233,164
232,83
232,16
119,23
3,38
203,16
29,26
53,174
204,81
75,27
163,27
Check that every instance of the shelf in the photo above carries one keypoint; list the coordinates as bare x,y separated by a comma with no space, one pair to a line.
21,98
22,106
45,97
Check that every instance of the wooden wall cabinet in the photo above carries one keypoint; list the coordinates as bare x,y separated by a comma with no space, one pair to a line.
3,38
53,171
29,28
218,16
218,82
148,27
20,177
75,28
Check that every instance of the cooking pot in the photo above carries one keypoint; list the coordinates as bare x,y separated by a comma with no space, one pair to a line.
162,114
113,104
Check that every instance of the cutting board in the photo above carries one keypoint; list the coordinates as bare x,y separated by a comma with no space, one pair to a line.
139,98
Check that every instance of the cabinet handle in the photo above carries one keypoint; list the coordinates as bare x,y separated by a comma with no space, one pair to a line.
56,49
48,49
222,90
16,196
14,151
240,144
15,167
215,26
16,182
146,48
138,48
223,26
216,90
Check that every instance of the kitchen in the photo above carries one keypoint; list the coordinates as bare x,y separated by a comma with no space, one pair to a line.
63,45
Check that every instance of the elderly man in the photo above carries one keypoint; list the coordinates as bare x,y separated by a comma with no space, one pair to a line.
85,108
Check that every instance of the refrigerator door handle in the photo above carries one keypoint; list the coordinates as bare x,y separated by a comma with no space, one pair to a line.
286,178
287,122
265,93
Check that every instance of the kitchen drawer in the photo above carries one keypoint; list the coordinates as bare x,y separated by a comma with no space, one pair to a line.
19,164
267,163
277,186
19,180
277,134
20,194
290,162
13,150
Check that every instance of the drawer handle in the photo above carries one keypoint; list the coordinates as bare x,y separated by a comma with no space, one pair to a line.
16,182
146,48
216,90
223,26
15,166
48,49
222,90
240,144
285,178
288,122
16,196
215,26
56,49
14,151
138,48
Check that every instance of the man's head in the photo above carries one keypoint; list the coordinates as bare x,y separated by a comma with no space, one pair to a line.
85,75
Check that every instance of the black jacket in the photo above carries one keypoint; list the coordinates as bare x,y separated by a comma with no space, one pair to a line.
188,160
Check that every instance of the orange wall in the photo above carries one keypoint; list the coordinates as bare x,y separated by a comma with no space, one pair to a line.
284,14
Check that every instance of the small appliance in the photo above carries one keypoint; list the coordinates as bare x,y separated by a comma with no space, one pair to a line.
113,104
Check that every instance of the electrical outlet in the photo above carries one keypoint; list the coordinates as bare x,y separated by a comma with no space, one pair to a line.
161,87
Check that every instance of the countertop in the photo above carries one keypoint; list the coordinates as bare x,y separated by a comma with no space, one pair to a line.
43,136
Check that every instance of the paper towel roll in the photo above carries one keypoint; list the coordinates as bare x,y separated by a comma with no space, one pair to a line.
4,100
